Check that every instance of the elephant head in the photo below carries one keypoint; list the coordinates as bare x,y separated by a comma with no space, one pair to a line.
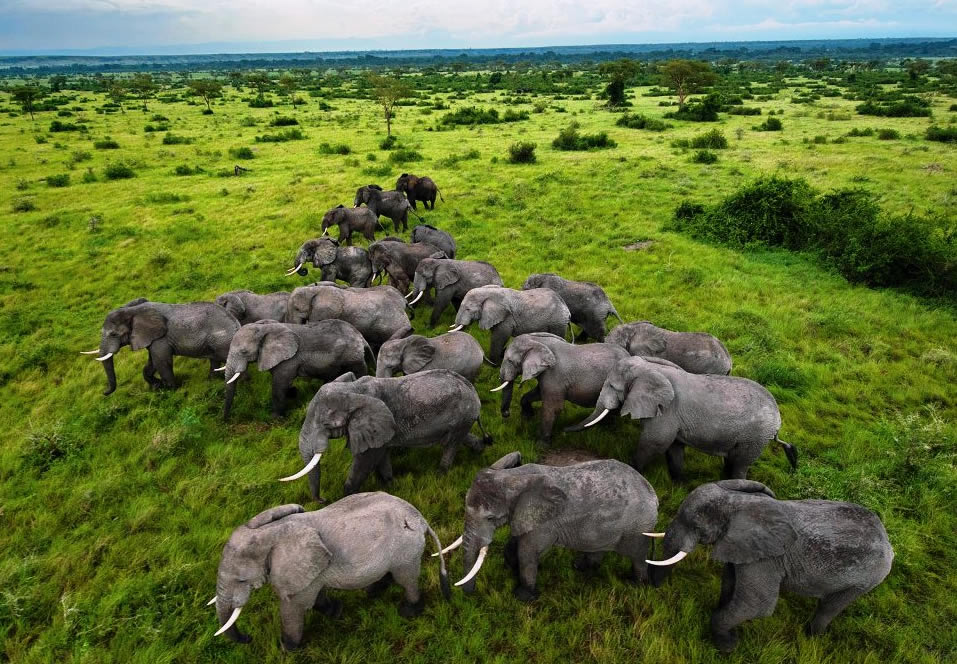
421,232
233,303
527,356
639,338
410,355
366,194
318,302
320,252
740,519
332,218
136,324
273,546
406,183
383,258
536,281
431,272
267,342
487,305
637,386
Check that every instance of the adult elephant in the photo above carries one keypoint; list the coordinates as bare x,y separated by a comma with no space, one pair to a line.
830,550
725,416
455,351
399,260
377,414
562,372
432,235
349,221
249,307
452,280
695,352
325,349
353,543
197,329
418,189
509,313
590,507
378,312
391,204
588,303
348,264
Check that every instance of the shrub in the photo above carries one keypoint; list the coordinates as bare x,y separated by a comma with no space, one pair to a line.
282,137
744,110
242,153
23,205
248,121
521,153
771,124
159,118
570,139
338,148
704,157
173,139
705,110
942,134
471,115
515,116
89,176
282,121
908,107
106,143
403,155
80,155
118,171
184,169
713,139
453,159
855,132
57,126
888,134
388,142
638,121
149,129
260,102
62,180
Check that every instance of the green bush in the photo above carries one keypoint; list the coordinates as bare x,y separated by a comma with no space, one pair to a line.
106,143
521,153
908,107
23,205
173,139
149,129
57,126
638,121
743,110
855,132
704,157
714,140
570,139
888,134
282,121
62,180
185,169
242,153
771,124
705,110
403,155
388,142
471,115
118,171
260,102
338,148
942,134
283,137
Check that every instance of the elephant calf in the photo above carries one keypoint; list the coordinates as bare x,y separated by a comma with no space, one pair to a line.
351,544
349,221
563,372
248,307
817,548
455,351
452,280
695,352
348,264
326,349
591,507
587,302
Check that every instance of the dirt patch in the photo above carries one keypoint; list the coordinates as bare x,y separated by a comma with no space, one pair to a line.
567,457
934,168
639,246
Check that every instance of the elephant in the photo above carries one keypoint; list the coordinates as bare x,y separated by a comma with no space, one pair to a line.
563,372
418,189
248,307
391,204
509,313
354,543
695,352
197,329
378,414
351,220
724,416
399,260
587,302
589,507
325,349
830,550
455,351
432,235
452,280
378,312
348,264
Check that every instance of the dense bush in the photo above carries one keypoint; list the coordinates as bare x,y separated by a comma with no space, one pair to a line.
570,139
173,139
855,132
282,121
118,171
703,110
62,180
57,126
150,128
771,124
714,139
471,115
388,142
743,110
638,121
185,169
282,137
908,107
521,153
704,157
106,143
888,134
338,148
242,153
260,102
23,205
403,155
942,134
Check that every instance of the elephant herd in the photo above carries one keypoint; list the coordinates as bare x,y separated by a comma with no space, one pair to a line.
386,388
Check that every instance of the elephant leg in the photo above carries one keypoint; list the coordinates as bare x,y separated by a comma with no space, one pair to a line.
727,585
636,547
657,435
149,371
405,221
331,608
529,398
511,554
829,607
551,406
384,469
587,562
395,224
407,576
380,586
755,596
738,461
281,383
675,457
362,465
293,618
161,355
442,300
594,327
358,368
497,347
212,368
582,336
369,234
529,551
449,448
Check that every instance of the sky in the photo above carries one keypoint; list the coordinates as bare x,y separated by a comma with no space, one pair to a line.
216,26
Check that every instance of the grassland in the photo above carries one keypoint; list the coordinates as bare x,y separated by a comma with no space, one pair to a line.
113,510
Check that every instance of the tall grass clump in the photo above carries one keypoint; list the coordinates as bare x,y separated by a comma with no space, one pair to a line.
711,140
283,121
282,137
639,121
522,153
60,180
570,139
338,148
173,139
242,153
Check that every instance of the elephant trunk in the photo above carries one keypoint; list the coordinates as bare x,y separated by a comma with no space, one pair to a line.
507,398
474,544
607,402
230,394
110,376
313,442
383,370
419,283
678,542
227,613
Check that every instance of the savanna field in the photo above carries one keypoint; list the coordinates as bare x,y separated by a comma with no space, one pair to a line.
114,510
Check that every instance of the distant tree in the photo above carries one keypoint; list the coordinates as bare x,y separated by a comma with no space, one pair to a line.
117,92
387,90
144,87
686,77
288,84
259,80
25,95
621,72
207,88
946,67
819,64
57,82
237,79
917,68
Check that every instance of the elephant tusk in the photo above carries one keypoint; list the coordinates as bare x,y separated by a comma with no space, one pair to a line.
451,547
671,561
291,272
475,568
90,352
598,419
325,231
234,378
222,368
104,358
655,535
410,294
309,466
456,328
229,623
212,601
421,293
500,387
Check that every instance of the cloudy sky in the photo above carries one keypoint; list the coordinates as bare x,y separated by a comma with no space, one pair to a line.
155,26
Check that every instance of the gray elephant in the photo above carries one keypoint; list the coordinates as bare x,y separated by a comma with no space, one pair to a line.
391,204
432,235
587,302
349,221
378,414
830,550
562,371
378,312
348,264
509,313
695,352
418,189
721,415
399,260
354,543
325,349
590,507
455,351
197,329
452,280
249,307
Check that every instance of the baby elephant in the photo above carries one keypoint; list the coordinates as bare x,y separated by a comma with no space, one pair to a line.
351,544
456,351
248,307
587,302
695,352
816,548
325,349
351,220
452,280
591,507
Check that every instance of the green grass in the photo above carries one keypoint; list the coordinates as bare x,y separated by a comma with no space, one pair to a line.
114,510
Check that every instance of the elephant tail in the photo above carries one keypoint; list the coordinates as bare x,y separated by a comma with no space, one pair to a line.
486,437
439,192
443,573
369,355
790,450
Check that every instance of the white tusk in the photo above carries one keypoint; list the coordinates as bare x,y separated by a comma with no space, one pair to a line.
500,387
234,378
90,352
456,328
475,568
222,368
410,294
104,358
598,419
454,545
309,466
421,293
212,601
655,535
229,623
291,272
671,561
325,232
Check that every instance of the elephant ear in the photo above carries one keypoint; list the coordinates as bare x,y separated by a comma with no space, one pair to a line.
233,304
759,528
745,486
297,559
371,424
133,303
347,377
538,503
418,352
649,392
325,253
493,313
538,358
278,345
274,514
510,460
647,340
148,326
445,275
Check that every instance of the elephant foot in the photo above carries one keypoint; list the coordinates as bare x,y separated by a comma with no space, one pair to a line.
525,594
511,556
409,610
814,629
291,392
506,413
236,636
331,608
288,644
543,443
725,642
632,578
528,411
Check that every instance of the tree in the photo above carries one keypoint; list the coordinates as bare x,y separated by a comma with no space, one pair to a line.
620,72
207,88
259,80
288,84
387,90
25,95
917,68
144,86
117,93
686,77
57,82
